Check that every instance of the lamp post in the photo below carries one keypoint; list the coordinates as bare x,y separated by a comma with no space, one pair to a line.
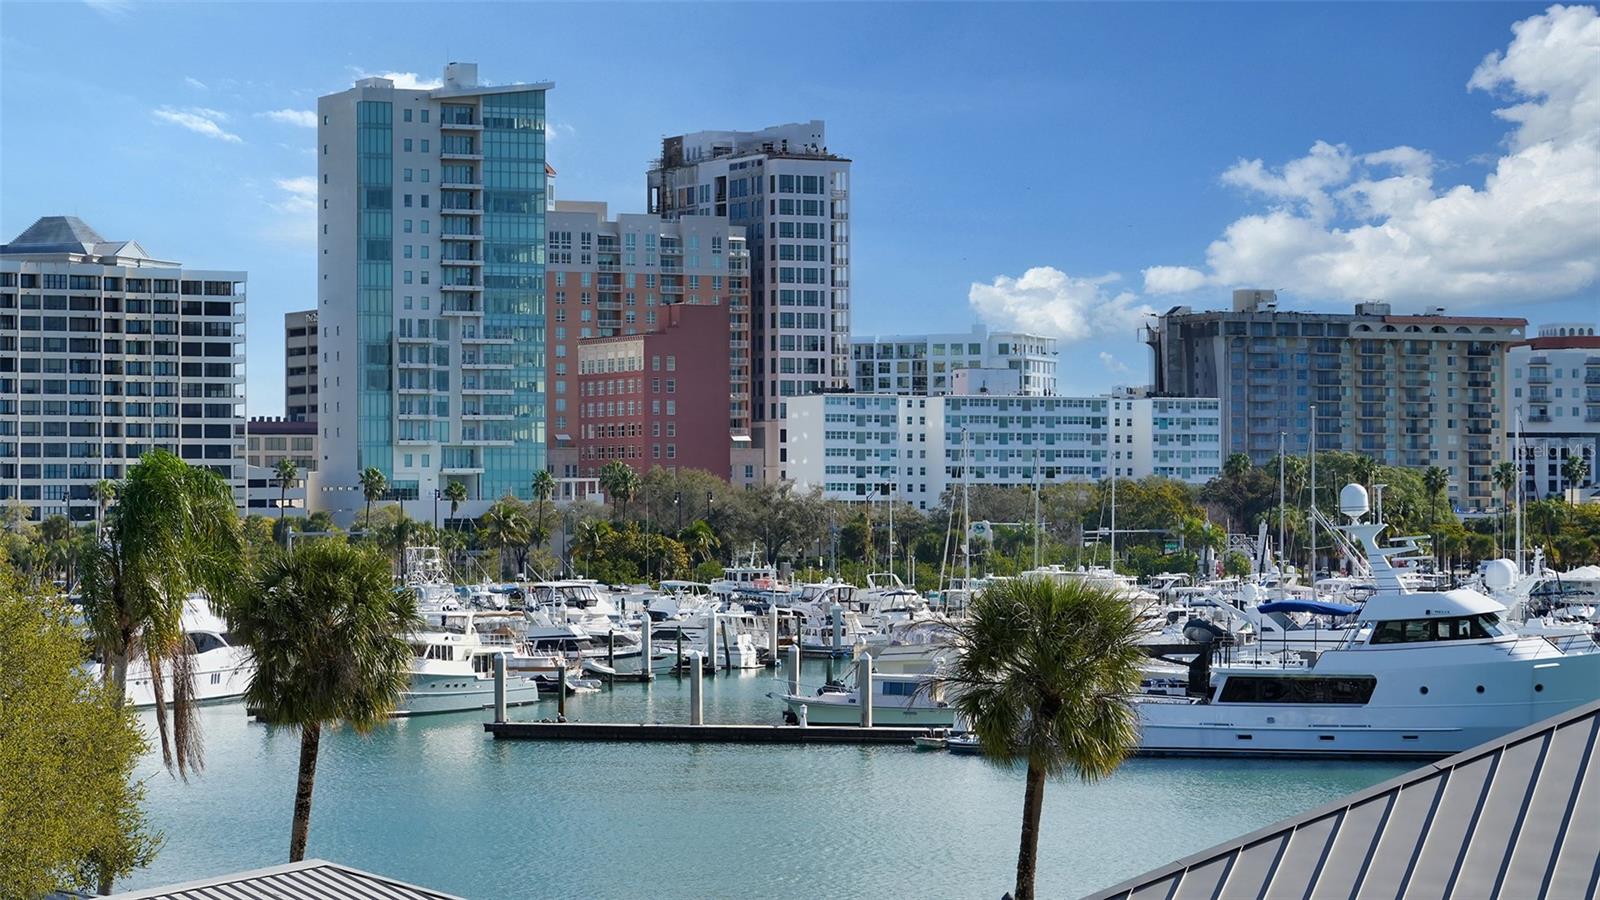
677,504
709,498
435,509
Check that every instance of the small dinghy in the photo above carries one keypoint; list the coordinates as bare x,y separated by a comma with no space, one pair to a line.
964,745
935,739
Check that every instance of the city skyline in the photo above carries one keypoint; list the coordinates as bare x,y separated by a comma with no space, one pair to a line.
1005,191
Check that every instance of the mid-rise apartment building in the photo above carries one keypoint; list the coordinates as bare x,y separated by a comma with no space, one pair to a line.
792,195
1406,390
617,277
1555,403
926,364
300,366
658,398
107,353
431,305
852,444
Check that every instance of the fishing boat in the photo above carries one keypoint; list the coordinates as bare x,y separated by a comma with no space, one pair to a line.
964,744
453,669
935,739
1423,674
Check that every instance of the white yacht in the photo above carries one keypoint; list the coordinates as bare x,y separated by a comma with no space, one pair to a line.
453,669
900,699
1424,673
221,670
746,579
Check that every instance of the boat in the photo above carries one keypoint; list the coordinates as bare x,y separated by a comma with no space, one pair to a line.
935,739
220,670
1423,674
897,699
964,744
453,669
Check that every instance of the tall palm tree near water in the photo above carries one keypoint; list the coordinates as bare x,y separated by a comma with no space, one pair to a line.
621,483
456,493
1434,481
285,473
328,634
105,491
1504,475
1044,678
173,531
544,488
505,527
373,486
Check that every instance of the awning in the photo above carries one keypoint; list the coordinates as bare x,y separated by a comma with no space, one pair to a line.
1307,606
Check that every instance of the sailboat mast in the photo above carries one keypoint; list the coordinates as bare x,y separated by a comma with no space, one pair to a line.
966,514
1516,455
1313,535
1282,555
1113,519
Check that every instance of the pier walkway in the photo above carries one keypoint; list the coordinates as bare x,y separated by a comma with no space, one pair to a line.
701,734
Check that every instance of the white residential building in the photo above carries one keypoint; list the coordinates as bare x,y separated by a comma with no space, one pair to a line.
925,364
430,283
851,444
792,196
107,353
1555,391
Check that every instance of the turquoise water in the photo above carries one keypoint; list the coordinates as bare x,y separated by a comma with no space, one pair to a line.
436,802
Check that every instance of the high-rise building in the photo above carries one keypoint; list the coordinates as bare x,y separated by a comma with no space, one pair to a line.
1555,402
926,364
431,289
792,195
1406,390
617,277
107,353
657,398
853,445
300,377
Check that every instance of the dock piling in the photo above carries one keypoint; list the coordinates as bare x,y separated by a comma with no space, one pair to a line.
611,653
836,613
864,688
711,642
499,687
697,708
772,634
561,691
678,664
794,670
647,657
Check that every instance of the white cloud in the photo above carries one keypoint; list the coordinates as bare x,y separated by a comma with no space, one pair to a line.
1046,300
199,120
300,194
195,83
295,206
1344,225
407,81
304,118
555,130
1172,279
1113,365
111,9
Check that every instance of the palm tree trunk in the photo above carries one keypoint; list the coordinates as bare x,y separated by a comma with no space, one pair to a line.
1028,852
310,737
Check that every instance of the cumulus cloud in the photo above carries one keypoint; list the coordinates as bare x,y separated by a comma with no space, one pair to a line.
199,120
1113,365
1046,300
304,118
408,81
111,9
1338,224
195,83
294,208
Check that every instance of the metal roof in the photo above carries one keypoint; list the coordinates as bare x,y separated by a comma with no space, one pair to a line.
1517,817
56,234
313,879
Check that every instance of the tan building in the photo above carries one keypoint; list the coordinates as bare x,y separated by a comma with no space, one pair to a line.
300,366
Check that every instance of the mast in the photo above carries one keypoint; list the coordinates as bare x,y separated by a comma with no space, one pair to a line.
1113,519
1516,454
1313,501
966,514
890,498
1282,588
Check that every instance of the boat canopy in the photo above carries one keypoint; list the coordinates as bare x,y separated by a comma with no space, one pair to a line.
1307,606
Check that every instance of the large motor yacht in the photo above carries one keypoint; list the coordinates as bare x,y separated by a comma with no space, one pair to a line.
1423,673
220,670
453,669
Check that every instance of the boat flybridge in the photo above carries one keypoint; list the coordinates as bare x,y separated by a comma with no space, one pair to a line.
1423,673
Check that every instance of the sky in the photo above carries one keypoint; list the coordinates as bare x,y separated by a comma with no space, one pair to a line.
1063,168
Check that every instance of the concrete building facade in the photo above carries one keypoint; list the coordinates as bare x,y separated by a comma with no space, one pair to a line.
849,444
926,364
431,305
792,195
300,367
107,353
658,398
1406,390
617,277
1555,400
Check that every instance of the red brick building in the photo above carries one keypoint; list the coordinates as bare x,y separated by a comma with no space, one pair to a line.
660,398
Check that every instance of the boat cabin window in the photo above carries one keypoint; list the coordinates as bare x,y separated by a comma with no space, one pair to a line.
201,642
899,688
1456,628
1353,690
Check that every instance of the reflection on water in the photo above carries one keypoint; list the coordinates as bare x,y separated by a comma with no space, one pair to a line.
434,801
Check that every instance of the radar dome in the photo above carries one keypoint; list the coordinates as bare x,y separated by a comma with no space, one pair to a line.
1499,574
1353,501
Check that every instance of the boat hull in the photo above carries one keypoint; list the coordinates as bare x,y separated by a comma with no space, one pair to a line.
457,693
826,713
220,676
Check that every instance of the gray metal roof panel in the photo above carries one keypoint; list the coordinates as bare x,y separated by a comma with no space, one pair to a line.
1514,817
313,879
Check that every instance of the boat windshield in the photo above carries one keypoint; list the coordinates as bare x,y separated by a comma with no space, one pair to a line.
1455,628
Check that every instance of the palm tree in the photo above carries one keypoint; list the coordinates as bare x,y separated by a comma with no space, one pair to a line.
105,491
591,540
373,486
505,526
285,473
1575,469
614,481
1365,470
328,634
1044,677
700,540
544,488
57,538
173,531
1504,475
1434,481
456,493
629,488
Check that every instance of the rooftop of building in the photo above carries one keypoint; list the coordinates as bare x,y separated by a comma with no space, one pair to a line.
461,80
979,331
279,425
70,235
792,140
1253,301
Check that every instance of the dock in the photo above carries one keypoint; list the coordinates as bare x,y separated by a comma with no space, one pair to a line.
701,734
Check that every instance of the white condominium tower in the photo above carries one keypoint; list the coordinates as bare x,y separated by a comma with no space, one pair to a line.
106,354
430,285
792,195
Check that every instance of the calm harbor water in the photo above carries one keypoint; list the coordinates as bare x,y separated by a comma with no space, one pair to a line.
435,801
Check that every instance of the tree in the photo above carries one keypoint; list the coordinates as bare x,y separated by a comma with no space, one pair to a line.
373,486
1504,475
1236,565
456,493
328,633
544,488
1045,678
73,816
700,541
1574,470
1366,470
505,527
285,473
1434,481
173,532
104,492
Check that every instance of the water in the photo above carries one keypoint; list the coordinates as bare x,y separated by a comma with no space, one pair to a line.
436,802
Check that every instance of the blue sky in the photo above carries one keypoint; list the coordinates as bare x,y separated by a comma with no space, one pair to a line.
1060,167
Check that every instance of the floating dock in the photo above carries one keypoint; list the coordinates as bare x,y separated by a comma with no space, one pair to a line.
701,734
